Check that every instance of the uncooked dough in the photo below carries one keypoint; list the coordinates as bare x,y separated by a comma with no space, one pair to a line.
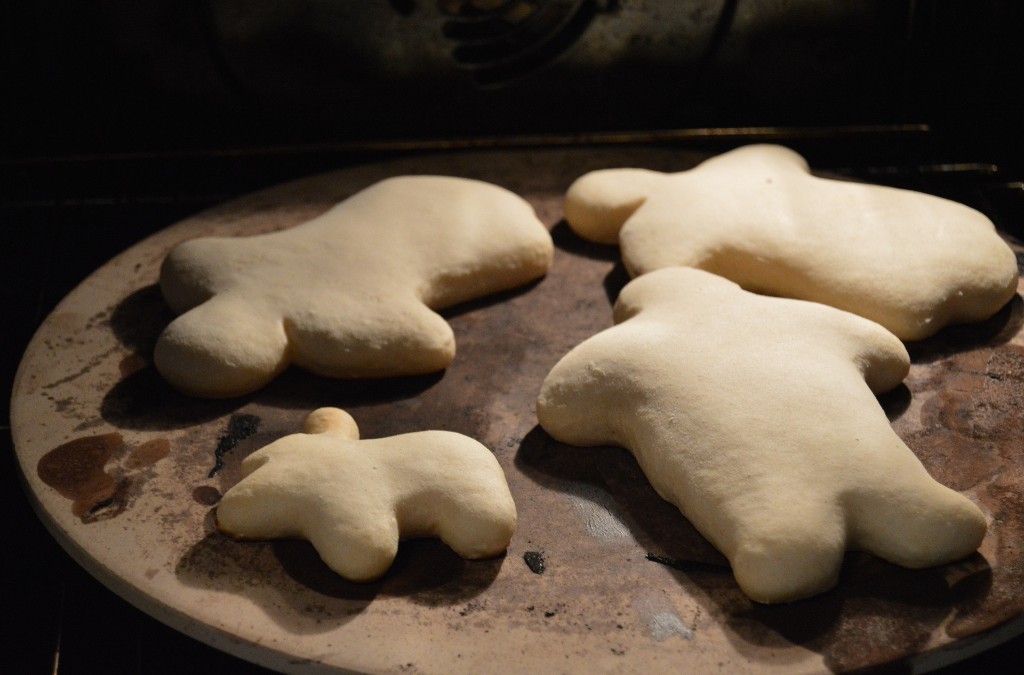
757,417
910,261
354,499
349,294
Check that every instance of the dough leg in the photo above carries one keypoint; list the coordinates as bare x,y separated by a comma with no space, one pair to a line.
789,553
359,551
221,348
916,525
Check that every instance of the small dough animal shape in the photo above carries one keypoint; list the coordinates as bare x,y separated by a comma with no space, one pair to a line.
354,499
350,293
757,418
910,261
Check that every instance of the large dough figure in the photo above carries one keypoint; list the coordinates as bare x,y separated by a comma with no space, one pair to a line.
350,293
757,417
910,261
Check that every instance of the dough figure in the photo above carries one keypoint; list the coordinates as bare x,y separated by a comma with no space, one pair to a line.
354,499
910,261
757,418
350,293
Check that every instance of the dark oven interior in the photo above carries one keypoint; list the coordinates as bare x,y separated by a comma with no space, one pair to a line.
120,118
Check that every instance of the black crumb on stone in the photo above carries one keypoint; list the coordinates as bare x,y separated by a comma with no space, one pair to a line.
535,561
240,427
685,565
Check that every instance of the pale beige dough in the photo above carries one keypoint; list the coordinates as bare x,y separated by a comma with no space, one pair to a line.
757,418
910,261
355,499
349,294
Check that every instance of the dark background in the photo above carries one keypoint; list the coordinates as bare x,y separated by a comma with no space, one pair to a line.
119,118
122,76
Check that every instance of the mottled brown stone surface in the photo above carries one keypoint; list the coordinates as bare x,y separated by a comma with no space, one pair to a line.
125,473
